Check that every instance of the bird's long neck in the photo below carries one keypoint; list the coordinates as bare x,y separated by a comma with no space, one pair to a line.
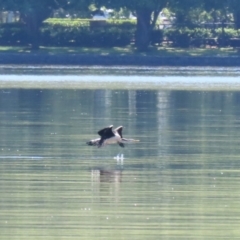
129,140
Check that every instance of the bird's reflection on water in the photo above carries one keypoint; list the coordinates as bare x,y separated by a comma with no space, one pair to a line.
106,183
106,175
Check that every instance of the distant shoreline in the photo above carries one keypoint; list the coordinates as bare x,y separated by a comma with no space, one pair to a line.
116,60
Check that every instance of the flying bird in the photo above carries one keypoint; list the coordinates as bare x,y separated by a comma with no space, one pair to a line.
109,135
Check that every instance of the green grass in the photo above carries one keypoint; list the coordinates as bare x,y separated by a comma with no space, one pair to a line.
153,51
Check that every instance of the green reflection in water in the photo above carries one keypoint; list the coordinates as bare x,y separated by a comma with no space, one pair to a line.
179,182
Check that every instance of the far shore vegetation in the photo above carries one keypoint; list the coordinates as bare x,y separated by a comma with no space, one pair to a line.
162,27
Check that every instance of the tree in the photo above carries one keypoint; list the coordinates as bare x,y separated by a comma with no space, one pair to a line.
218,8
234,7
32,14
146,11
79,8
227,9
186,11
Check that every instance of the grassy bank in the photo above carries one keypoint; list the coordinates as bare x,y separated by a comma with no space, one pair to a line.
153,51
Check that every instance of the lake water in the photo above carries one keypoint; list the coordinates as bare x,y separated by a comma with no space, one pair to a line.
181,181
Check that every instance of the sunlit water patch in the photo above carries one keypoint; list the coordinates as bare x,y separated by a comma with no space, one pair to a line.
75,77
118,70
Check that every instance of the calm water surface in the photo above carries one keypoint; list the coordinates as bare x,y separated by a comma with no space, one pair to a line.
181,181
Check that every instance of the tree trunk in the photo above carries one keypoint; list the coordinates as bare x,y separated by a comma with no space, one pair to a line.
143,29
33,26
237,19
32,23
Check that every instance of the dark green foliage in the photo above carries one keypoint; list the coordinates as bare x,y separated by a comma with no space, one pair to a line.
83,33
66,32
197,37
13,34
179,37
86,37
80,32
156,36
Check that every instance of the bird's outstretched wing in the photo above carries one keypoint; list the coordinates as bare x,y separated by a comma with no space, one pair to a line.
106,132
119,130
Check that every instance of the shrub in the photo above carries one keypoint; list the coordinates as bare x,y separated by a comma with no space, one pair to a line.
202,33
156,36
113,32
68,32
85,36
66,22
224,37
13,34
179,37
81,32
202,37
185,37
